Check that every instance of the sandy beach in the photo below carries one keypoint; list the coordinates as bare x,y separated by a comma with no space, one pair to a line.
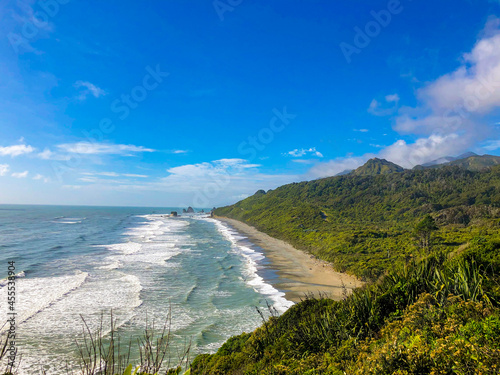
299,273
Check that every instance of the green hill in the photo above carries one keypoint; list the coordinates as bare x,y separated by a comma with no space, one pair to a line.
363,222
377,166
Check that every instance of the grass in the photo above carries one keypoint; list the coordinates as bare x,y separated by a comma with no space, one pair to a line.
101,351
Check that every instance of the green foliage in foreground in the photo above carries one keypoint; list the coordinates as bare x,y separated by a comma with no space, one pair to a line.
439,316
365,224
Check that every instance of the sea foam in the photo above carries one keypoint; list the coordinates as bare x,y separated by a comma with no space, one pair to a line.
253,259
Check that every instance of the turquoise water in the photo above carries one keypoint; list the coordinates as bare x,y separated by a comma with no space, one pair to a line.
87,261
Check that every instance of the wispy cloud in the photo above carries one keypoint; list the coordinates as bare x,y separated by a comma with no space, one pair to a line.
86,88
202,184
304,161
88,148
492,145
50,155
377,108
16,150
135,175
40,177
72,187
114,174
209,169
20,174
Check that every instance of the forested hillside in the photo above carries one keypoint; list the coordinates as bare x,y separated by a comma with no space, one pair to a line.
364,223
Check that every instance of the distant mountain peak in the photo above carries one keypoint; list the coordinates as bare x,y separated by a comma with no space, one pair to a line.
377,166
448,159
469,161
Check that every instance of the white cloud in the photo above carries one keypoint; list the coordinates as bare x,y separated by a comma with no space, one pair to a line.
4,169
20,174
459,100
401,153
88,88
297,153
361,130
88,148
424,150
180,151
16,150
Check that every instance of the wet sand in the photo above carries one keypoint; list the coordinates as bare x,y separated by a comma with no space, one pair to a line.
299,273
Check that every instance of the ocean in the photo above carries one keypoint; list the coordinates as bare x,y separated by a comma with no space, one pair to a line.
86,262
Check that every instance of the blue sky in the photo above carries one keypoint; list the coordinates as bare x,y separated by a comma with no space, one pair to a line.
176,103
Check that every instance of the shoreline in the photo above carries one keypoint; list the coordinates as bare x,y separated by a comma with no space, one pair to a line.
299,273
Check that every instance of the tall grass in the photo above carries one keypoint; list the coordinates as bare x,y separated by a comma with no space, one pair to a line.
321,324
103,353
3,351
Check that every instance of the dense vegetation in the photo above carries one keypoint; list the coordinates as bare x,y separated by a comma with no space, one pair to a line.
364,223
437,316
